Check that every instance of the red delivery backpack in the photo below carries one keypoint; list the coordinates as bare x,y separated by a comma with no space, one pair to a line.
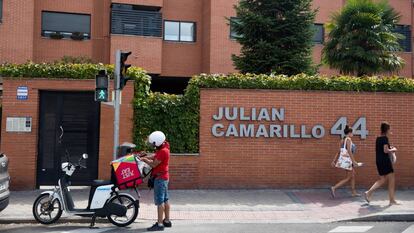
125,172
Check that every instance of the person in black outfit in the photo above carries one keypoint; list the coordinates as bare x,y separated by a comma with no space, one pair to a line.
384,165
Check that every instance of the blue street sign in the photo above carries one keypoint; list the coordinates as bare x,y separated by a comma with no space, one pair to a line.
22,93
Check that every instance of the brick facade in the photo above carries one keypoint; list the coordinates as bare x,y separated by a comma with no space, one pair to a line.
231,162
21,38
16,30
21,148
286,162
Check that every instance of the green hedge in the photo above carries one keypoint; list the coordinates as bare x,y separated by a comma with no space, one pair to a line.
74,71
170,114
70,71
304,82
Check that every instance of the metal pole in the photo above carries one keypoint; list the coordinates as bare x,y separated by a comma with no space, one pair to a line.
116,101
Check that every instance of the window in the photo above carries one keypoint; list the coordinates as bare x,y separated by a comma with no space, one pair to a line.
406,32
136,20
179,31
171,31
66,25
318,38
1,10
233,33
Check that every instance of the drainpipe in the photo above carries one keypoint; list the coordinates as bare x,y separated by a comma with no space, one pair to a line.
411,41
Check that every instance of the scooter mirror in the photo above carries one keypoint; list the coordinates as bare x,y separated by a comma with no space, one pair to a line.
85,156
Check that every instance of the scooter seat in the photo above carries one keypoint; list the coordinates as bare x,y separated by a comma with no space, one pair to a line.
101,182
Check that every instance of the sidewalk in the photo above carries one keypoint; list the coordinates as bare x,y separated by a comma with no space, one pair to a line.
279,206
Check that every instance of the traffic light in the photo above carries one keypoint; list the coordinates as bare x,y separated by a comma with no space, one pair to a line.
124,68
102,85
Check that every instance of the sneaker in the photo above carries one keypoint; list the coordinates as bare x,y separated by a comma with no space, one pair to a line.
156,227
167,224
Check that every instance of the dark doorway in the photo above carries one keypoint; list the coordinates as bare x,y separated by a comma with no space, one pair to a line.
170,85
78,115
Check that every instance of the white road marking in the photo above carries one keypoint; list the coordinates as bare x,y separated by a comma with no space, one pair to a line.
410,229
85,230
351,229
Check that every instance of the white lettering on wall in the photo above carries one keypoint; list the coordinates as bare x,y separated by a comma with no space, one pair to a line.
318,131
271,130
214,130
246,130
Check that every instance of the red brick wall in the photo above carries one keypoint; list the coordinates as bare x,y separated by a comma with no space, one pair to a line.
205,39
21,148
184,171
146,51
46,49
325,9
16,30
141,2
211,53
281,162
183,58
221,46
237,162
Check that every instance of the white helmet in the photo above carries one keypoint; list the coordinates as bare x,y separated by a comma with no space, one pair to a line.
156,138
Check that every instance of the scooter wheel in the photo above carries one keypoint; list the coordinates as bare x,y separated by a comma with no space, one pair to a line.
132,210
46,211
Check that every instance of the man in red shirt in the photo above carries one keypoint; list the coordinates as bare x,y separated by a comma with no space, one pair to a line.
159,163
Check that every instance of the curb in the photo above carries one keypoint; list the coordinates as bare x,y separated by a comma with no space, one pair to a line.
392,217
60,221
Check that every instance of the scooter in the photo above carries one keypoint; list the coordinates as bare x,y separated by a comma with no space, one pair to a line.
105,200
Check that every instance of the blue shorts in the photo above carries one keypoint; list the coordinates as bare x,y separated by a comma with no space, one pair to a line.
160,191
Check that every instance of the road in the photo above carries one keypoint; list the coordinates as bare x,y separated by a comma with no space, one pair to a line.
187,227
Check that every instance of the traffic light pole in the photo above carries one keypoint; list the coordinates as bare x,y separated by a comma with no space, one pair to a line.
117,101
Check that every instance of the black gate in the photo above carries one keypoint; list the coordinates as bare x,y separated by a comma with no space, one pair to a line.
78,115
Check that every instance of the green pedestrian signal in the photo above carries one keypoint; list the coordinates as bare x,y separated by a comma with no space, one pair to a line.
102,85
101,95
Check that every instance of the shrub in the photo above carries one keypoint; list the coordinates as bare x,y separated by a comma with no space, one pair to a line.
362,39
70,71
169,114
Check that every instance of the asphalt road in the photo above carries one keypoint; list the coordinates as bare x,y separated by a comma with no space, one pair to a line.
187,227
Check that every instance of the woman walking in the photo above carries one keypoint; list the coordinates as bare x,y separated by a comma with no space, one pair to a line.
384,165
350,147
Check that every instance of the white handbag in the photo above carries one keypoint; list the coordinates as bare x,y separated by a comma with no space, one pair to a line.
393,157
344,160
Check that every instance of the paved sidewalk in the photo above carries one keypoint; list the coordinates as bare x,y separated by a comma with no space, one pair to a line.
279,206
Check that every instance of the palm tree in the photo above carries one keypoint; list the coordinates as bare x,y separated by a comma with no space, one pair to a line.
362,40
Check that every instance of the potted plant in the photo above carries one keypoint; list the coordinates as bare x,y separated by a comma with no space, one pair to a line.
56,36
77,36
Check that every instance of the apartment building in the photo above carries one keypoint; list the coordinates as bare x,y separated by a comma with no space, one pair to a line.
171,39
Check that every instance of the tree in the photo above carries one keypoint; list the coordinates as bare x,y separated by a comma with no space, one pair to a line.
362,40
275,36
